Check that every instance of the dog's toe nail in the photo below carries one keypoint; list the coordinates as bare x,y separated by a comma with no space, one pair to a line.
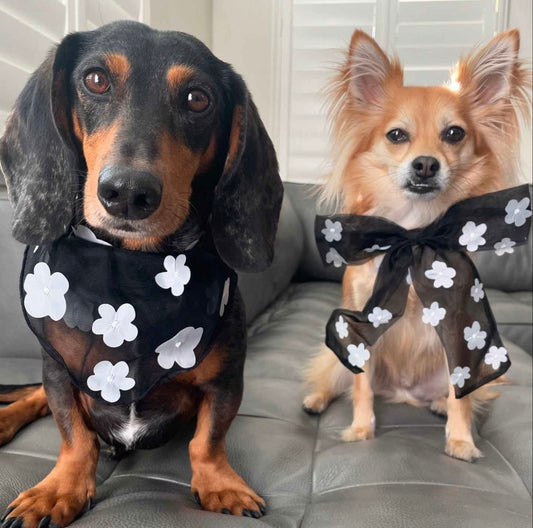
8,523
225,511
246,513
90,504
197,498
45,522
262,508
7,512
255,514
310,411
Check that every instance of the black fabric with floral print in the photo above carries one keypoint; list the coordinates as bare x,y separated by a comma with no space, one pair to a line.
435,262
129,319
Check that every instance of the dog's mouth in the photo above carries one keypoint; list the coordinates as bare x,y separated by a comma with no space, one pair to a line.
114,229
424,189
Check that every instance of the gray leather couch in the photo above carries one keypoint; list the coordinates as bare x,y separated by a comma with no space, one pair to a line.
297,462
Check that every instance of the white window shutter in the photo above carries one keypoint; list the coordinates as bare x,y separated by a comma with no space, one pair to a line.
320,28
29,29
428,35
431,35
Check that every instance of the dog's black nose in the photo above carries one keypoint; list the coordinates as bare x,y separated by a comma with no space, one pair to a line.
129,194
425,166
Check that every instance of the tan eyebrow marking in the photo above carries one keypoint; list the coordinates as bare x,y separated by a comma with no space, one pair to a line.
119,66
178,74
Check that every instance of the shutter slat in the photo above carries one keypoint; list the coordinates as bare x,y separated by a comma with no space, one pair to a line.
100,12
45,16
337,14
22,45
450,11
464,34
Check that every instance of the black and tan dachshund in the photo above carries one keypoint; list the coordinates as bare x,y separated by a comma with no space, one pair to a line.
173,129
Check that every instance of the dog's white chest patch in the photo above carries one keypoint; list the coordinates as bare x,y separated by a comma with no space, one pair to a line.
131,430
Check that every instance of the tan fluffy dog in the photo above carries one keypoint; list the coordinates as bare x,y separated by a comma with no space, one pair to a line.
407,154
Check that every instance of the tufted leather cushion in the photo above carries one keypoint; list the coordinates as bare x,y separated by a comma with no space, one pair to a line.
297,462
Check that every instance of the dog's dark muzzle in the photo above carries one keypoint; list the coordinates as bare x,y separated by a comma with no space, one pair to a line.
129,194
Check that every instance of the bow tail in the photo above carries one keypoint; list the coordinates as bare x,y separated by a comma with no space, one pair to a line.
349,333
466,328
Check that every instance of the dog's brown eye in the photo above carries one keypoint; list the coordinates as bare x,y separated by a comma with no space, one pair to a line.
453,134
397,135
96,82
197,101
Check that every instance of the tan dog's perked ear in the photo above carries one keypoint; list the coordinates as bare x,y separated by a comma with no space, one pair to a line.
248,197
370,71
496,85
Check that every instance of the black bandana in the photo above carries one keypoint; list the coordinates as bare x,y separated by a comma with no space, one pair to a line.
156,314
434,260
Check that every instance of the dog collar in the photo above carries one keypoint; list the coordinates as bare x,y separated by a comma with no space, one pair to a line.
131,319
434,260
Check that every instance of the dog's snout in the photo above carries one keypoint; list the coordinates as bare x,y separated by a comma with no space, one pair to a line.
129,194
425,166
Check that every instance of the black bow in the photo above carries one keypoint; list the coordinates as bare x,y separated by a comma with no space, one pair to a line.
434,260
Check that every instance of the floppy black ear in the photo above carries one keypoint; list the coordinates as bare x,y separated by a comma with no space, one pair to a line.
248,196
37,155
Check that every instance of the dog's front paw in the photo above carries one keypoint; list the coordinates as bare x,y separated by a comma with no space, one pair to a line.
462,449
356,433
315,403
227,493
41,507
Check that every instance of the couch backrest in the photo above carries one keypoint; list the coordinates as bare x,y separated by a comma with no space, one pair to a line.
507,273
15,337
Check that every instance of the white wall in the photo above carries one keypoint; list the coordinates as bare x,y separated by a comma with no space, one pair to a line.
246,34
190,16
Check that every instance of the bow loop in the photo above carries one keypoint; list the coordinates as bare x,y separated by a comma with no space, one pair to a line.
434,259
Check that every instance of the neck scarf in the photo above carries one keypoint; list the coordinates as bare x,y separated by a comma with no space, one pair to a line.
126,320
434,260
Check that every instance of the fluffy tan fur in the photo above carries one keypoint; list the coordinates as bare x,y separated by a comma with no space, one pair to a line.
487,95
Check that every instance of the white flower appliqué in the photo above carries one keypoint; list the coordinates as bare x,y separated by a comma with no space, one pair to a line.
441,274
504,246
379,316
333,257
180,348
357,355
84,232
115,327
376,247
342,327
332,231
434,314
110,380
225,297
517,212
472,236
477,292
474,336
495,356
45,293
178,274
459,375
